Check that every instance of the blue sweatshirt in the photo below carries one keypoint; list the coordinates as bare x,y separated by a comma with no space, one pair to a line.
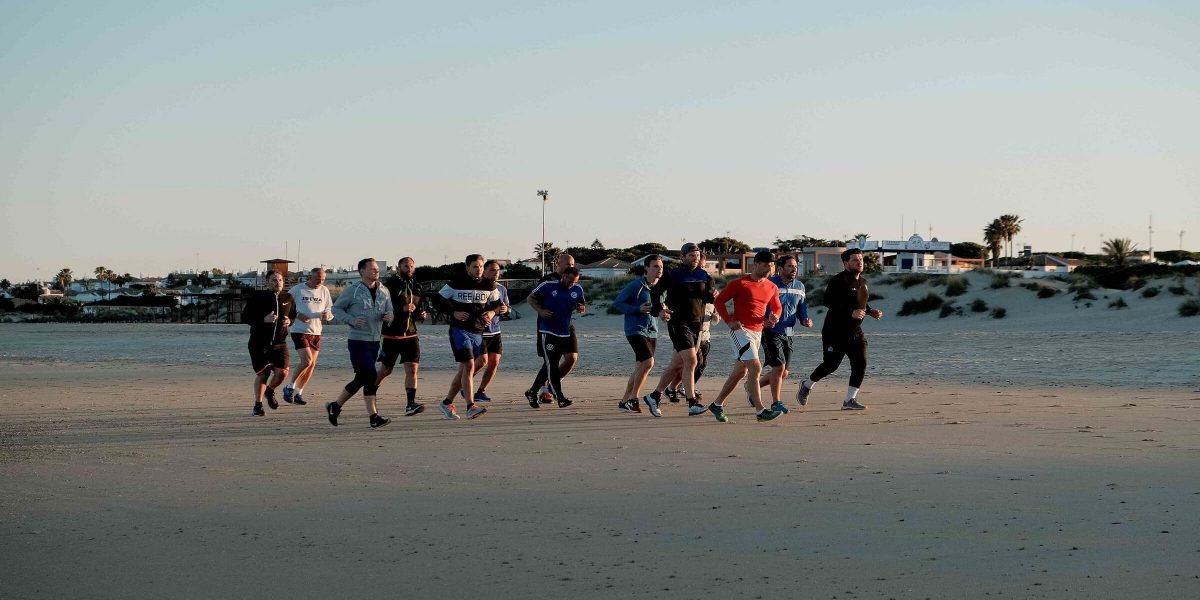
630,302
561,301
493,327
795,304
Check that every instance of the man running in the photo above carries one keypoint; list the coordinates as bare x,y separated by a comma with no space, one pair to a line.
268,313
313,306
688,288
641,329
702,350
400,340
493,345
841,334
777,340
569,349
471,303
755,304
365,306
559,301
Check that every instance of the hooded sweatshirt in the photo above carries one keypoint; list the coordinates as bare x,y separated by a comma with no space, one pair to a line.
356,301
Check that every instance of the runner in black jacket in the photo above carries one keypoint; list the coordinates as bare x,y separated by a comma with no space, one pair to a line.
842,335
268,313
688,288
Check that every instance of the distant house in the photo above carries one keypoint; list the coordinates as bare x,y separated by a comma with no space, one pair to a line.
1140,257
826,259
608,268
1052,264
641,260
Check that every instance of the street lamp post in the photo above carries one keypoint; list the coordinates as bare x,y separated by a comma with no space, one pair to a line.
545,194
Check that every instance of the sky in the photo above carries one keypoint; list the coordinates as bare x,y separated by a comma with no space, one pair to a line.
152,137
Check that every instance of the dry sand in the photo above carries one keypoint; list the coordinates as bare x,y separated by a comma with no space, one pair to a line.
151,483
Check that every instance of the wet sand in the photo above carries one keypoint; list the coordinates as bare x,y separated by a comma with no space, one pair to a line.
139,482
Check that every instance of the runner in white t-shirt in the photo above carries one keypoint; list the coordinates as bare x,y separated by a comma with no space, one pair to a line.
313,305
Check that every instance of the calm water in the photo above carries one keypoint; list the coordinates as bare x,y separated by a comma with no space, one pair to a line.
1038,358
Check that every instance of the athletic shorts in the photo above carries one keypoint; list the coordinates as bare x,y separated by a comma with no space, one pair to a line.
466,345
554,343
643,347
746,344
407,350
564,345
492,344
265,358
777,349
683,335
306,340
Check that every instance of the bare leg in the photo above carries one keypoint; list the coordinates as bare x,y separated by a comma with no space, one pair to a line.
567,363
752,368
670,374
410,374
493,363
370,400
776,377
687,370
311,366
277,377
735,376
260,386
637,379
384,371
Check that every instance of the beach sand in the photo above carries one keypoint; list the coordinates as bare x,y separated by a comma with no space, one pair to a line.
150,482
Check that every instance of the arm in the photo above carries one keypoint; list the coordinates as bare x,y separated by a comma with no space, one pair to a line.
774,309
625,301
656,292
581,305
248,312
342,304
726,295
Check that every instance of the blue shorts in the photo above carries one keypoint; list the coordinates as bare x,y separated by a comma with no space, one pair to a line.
467,346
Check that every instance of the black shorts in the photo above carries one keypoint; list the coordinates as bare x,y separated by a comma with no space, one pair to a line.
265,358
492,344
565,345
407,350
683,335
643,347
777,349
306,340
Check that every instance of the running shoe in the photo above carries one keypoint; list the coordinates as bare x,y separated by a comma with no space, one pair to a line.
697,409
779,407
258,411
699,397
287,393
531,396
270,396
652,405
853,404
298,399
563,402
802,395
413,409
449,412
767,414
334,410
718,412
378,421
545,396
482,397
672,394
631,405
474,410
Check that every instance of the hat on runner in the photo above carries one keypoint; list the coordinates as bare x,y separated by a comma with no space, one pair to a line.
764,257
688,247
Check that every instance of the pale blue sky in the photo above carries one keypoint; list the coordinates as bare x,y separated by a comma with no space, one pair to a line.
136,136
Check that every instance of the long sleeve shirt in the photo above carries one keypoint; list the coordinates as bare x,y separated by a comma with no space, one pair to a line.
358,301
751,301
687,290
795,304
629,302
843,295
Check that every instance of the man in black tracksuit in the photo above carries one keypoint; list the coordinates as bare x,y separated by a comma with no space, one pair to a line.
842,335
268,313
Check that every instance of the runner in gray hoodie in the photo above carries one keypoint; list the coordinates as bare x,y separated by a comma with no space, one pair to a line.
365,307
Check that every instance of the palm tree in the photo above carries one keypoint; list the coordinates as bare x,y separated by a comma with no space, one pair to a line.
993,238
1117,250
547,253
64,278
1010,226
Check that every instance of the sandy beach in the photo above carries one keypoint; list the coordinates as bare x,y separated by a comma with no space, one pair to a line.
140,483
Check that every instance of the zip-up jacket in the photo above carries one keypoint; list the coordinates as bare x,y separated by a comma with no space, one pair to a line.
404,292
795,305
629,302
688,290
355,302
843,295
260,304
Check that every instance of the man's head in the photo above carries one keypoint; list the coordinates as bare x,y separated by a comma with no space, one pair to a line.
563,261
764,263
407,266
275,281
316,277
654,267
787,266
570,276
852,259
368,270
690,255
474,266
491,270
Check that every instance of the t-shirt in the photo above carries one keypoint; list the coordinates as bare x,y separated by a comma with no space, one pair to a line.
314,304
561,301
751,300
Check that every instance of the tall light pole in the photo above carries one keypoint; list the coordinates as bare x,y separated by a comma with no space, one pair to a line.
545,194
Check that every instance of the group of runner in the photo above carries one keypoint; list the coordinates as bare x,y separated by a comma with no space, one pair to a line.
382,318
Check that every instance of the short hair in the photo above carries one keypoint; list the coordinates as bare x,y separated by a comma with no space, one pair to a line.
270,273
764,256
571,270
362,264
652,257
316,270
414,261
850,252
489,262
781,260
472,258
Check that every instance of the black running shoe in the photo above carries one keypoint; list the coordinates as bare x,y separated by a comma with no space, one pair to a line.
531,396
853,405
378,421
631,405
672,395
296,399
413,409
334,410
270,396
802,395
563,402
258,411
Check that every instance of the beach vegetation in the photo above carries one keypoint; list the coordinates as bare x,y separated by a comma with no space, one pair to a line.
27,291
520,271
1046,292
978,305
1117,250
1010,226
1118,304
63,279
915,306
5,285
993,239
815,295
948,309
967,250
956,286
723,245
999,313
1150,292
1189,308
1000,280
800,242
1178,290
912,279
1084,294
